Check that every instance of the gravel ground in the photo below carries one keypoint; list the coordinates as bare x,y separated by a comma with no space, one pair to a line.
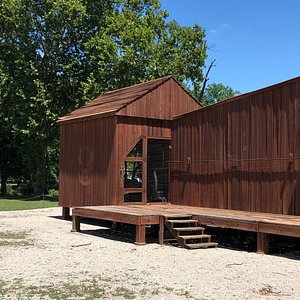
41,259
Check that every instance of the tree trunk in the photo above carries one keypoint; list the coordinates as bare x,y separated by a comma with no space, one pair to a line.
3,184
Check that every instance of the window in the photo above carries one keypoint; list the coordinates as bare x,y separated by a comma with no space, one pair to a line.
133,174
137,150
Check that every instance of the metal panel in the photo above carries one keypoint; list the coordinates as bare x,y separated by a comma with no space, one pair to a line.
239,153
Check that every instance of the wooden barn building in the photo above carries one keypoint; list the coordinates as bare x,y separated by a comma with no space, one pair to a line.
115,149
151,155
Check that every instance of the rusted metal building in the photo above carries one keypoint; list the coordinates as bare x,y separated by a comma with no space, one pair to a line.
115,149
241,154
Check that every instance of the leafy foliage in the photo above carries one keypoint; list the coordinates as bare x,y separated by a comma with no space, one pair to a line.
55,55
216,92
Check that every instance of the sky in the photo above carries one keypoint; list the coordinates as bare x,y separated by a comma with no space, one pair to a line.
255,43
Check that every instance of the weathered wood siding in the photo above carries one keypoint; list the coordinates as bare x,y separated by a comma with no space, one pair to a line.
165,102
96,138
92,154
239,153
88,163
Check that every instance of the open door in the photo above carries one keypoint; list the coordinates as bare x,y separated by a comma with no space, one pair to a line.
158,153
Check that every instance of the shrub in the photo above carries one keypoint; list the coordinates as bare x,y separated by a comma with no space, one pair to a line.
53,193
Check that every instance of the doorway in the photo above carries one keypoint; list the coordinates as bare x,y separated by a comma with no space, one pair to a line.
146,171
158,153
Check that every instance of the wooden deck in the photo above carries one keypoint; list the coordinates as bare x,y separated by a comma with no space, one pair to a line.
151,214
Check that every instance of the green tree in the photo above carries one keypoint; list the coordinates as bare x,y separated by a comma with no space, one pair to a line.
216,92
55,55
42,55
182,53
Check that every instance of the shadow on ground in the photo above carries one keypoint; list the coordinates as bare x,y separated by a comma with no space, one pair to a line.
283,246
114,231
238,240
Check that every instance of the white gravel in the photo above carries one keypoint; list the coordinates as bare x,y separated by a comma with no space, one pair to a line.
51,258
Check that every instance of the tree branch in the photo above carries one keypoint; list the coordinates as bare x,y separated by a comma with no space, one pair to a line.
212,64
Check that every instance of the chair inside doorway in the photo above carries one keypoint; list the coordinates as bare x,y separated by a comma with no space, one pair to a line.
158,152
146,171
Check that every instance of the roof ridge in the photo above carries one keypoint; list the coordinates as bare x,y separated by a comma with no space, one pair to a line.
160,80
137,84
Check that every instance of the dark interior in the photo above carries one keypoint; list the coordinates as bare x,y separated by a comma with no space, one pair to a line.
158,170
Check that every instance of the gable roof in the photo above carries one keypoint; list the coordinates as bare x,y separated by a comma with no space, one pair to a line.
112,102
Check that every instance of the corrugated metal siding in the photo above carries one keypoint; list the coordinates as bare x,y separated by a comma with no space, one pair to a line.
239,153
88,163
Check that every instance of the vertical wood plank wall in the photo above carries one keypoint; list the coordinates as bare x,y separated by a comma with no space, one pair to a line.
239,153
93,146
164,102
92,154
88,162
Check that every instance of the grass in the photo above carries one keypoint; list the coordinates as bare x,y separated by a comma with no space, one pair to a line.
20,235
90,289
14,239
23,204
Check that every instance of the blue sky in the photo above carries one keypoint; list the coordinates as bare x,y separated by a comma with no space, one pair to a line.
256,43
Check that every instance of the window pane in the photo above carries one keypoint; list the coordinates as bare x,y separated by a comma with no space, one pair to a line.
137,150
133,197
133,171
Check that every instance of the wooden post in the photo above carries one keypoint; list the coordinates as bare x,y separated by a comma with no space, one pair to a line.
75,224
119,226
140,235
66,213
161,230
262,243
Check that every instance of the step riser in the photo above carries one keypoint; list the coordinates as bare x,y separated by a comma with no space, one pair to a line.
196,240
200,232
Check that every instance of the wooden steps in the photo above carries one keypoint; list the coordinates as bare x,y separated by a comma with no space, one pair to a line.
187,232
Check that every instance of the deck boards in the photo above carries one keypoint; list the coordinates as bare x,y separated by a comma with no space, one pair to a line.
149,214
